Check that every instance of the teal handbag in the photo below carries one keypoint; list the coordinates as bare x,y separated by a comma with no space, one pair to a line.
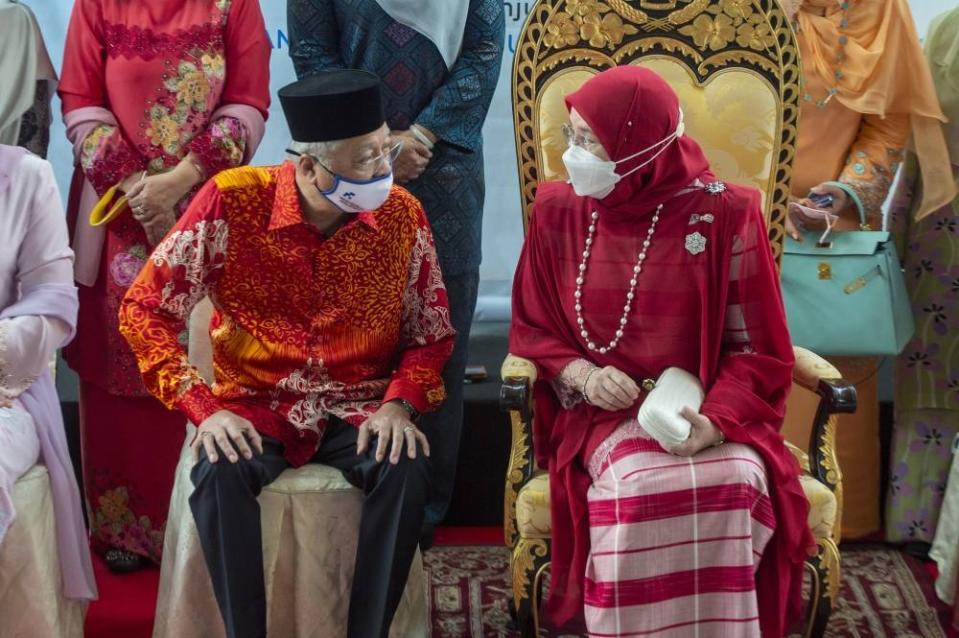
846,296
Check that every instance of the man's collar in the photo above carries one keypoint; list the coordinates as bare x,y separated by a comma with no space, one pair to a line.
286,203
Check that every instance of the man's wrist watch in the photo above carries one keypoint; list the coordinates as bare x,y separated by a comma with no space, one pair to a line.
406,405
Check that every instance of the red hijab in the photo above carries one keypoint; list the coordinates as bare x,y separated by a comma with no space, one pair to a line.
629,109
677,319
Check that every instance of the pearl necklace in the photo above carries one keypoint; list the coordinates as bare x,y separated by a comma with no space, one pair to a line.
581,279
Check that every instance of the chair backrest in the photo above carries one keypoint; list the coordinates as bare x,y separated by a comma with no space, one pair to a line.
733,63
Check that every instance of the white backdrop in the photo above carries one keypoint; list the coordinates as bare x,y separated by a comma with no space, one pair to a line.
502,229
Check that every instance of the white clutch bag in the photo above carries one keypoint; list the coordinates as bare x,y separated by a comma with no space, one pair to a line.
660,413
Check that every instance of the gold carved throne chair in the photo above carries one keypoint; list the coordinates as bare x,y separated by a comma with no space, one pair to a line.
735,66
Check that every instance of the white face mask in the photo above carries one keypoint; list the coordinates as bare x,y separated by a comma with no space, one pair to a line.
352,196
591,176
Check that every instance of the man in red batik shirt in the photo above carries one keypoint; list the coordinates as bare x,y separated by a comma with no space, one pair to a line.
330,332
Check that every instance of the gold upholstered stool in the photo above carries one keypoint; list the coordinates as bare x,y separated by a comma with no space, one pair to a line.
310,518
31,591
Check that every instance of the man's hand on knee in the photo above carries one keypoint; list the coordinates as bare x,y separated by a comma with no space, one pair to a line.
392,426
231,432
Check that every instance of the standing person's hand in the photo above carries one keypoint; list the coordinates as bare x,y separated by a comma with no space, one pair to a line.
798,220
702,435
841,202
131,180
795,222
157,225
392,426
231,432
154,199
413,158
610,389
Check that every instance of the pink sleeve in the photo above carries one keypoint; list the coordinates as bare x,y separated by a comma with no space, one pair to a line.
222,145
236,128
247,58
101,151
82,81
27,343
107,158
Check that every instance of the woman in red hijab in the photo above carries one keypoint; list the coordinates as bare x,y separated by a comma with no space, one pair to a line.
645,262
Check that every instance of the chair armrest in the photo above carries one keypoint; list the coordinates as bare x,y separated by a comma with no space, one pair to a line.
516,397
836,396
811,368
818,375
519,376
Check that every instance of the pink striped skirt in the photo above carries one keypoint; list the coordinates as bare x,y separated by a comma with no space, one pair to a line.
675,541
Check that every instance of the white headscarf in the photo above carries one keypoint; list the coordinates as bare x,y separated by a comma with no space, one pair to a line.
441,21
23,61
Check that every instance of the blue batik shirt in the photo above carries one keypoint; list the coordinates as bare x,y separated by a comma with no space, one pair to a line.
418,88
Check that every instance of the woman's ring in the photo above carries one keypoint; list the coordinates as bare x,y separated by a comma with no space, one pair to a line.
408,429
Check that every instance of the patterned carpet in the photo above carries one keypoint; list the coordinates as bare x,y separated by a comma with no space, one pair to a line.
885,594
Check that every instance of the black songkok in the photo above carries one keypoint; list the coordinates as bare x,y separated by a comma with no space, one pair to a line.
332,105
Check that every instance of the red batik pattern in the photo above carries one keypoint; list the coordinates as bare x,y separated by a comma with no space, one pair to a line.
305,326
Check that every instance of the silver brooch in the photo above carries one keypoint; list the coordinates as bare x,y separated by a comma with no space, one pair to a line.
707,218
695,243
715,188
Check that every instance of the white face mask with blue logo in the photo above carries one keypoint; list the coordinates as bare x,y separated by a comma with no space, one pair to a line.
357,196
354,196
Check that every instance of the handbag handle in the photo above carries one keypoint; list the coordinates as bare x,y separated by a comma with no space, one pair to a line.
848,190
102,212
830,219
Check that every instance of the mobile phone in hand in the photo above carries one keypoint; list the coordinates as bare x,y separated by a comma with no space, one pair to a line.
822,200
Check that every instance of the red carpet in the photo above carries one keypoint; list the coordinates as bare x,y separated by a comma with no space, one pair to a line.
469,587
126,605
128,601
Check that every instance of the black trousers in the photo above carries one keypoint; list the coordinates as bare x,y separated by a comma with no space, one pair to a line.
228,521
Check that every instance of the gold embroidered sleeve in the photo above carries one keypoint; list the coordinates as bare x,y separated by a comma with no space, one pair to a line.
872,163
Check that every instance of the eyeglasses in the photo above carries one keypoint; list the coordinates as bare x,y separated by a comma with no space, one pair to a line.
575,139
390,156
368,165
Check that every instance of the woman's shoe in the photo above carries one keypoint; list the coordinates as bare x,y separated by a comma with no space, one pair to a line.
122,561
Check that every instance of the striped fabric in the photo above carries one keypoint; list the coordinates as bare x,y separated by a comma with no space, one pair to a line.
675,541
